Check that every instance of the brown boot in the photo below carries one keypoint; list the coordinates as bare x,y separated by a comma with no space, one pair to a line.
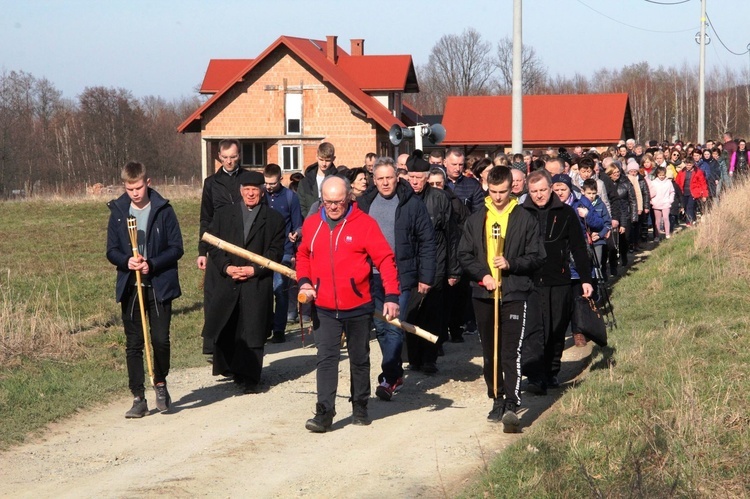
580,339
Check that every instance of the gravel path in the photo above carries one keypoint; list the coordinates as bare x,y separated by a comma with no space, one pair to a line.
431,440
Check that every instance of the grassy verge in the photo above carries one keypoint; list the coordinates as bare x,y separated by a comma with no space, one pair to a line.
61,340
664,410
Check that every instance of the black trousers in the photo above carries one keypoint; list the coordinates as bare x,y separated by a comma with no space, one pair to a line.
458,306
426,311
511,330
557,306
232,355
327,333
159,317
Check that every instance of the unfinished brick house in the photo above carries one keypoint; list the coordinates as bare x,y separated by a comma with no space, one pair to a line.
300,92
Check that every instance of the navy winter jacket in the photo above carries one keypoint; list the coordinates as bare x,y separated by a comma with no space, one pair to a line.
415,237
163,246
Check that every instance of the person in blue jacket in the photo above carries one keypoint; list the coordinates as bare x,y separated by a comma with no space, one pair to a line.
159,248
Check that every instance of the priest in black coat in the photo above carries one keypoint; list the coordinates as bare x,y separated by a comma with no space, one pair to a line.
242,306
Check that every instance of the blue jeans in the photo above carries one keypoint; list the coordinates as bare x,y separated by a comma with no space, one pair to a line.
281,294
390,338
689,204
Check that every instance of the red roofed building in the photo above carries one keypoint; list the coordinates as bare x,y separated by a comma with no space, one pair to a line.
298,93
590,120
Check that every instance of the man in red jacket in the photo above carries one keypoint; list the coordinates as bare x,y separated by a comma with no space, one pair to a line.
333,267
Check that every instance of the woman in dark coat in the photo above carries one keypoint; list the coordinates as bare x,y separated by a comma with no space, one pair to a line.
625,204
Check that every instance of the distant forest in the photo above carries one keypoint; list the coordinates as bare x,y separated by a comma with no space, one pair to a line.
53,145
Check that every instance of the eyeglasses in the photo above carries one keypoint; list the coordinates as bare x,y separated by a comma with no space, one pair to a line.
333,204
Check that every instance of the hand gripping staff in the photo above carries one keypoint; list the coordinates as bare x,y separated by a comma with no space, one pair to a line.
496,239
303,297
133,233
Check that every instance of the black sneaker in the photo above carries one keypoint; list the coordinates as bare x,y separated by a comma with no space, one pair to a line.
251,388
511,423
536,387
278,337
496,414
322,421
553,382
429,368
359,414
139,409
163,400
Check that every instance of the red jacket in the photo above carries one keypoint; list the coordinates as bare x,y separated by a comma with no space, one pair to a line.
698,186
338,262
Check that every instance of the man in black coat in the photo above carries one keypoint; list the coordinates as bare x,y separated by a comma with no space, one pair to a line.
242,307
428,310
563,236
220,189
506,235
405,223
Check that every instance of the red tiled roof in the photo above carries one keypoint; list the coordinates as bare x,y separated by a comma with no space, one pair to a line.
381,72
313,52
220,71
547,119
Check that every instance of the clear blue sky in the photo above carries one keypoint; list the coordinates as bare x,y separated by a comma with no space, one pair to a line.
162,47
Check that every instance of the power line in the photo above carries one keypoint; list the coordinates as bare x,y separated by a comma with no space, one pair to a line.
667,3
719,38
630,25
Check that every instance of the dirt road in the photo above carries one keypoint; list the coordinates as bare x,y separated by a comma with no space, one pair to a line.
431,440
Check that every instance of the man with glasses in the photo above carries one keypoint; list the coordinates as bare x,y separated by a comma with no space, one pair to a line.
342,238
219,190
286,202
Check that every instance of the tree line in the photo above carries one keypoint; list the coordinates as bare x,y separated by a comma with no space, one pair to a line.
52,144
55,145
663,99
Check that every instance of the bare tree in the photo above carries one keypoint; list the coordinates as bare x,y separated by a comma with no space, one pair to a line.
533,71
458,65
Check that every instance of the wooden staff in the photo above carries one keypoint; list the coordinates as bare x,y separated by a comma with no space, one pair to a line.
133,233
303,297
496,238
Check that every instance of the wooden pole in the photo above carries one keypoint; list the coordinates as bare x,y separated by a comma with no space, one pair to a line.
133,233
304,297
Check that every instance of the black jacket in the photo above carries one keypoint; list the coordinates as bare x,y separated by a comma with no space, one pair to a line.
219,189
439,208
415,237
562,235
253,297
307,190
523,249
163,246
624,202
468,190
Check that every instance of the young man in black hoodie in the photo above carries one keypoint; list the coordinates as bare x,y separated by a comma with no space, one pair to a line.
309,187
562,236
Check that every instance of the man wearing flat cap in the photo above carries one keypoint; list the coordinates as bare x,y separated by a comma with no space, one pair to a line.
242,305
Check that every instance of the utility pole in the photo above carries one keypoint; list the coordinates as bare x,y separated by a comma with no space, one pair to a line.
517,91
702,79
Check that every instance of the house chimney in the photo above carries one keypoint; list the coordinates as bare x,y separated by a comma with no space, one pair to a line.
332,51
358,46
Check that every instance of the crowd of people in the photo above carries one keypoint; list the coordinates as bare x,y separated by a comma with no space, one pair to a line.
457,245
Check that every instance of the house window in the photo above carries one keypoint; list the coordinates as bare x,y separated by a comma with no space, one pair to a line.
253,154
291,158
293,114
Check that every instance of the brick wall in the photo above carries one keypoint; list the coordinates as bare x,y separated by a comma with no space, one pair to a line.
255,109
